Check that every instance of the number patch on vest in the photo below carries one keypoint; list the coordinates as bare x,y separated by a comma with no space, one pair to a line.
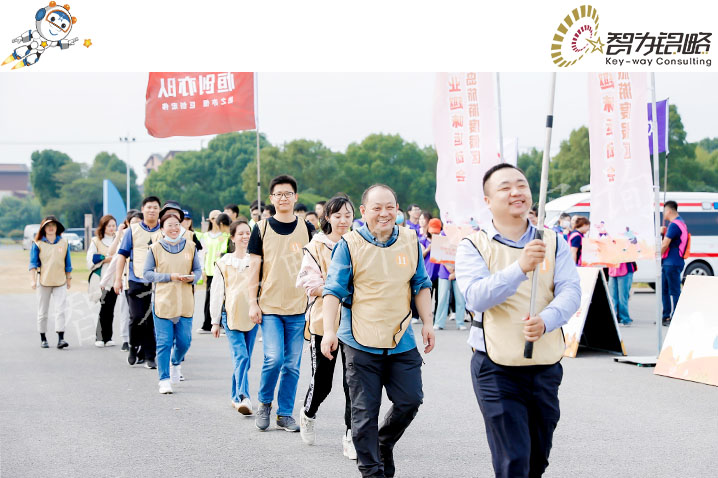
295,247
401,260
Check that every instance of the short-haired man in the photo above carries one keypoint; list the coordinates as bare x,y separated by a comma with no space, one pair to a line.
375,271
135,246
673,248
412,222
300,210
275,302
319,208
518,397
255,211
232,210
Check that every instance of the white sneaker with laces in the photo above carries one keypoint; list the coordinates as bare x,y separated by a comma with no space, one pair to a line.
245,407
109,343
348,446
99,343
306,428
165,386
175,374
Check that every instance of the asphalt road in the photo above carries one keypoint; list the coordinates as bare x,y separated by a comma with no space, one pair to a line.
84,411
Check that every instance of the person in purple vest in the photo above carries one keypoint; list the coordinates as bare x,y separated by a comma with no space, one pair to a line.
412,221
673,248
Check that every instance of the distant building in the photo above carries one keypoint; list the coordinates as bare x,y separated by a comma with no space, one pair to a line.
155,160
14,180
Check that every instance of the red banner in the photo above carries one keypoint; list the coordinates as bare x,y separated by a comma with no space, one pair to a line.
196,104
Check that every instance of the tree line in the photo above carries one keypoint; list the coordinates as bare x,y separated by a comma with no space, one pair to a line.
225,172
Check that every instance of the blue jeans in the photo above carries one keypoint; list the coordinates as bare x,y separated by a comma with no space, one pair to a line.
442,309
173,341
241,345
671,280
620,290
283,339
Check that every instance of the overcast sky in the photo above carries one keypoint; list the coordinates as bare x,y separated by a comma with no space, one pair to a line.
82,114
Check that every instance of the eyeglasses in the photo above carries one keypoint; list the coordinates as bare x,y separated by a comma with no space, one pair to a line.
288,195
172,224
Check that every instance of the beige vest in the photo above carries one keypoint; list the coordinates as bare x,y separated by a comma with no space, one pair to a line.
322,255
236,295
102,249
282,260
188,235
381,303
503,324
52,262
174,298
141,242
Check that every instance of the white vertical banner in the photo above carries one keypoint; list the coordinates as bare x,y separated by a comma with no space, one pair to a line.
511,152
622,200
465,133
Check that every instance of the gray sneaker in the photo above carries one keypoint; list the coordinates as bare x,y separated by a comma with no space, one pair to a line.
262,420
287,423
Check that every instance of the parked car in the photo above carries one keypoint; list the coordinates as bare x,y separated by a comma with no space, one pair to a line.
29,235
73,240
698,210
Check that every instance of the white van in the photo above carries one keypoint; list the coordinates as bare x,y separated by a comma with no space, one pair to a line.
29,235
698,210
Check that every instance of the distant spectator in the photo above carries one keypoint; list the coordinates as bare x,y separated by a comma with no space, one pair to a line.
575,239
673,248
413,220
533,215
232,210
268,211
319,208
300,210
619,285
312,218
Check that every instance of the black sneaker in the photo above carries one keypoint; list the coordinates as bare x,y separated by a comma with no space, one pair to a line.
61,344
125,346
140,361
150,364
44,344
387,457
666,322
132,356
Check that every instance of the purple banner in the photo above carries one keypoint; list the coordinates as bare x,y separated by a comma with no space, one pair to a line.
662,123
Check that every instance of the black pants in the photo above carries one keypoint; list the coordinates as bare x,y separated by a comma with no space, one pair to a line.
321,382
367,373
521,411
107,314
142,325
207,324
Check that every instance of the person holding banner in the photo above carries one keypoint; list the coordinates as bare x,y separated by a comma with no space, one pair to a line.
51,275
375,271
575,238
312,275
173,265
673,250
518,397
275,251
229,306
135,246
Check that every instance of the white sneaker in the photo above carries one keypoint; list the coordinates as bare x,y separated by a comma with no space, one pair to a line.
165,386
109,343
99,343
245,407
202,331
348,446
175,374
452,316
306,428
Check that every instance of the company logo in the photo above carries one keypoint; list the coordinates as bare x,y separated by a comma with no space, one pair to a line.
576,36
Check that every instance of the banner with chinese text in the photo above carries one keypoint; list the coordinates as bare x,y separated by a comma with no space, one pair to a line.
621,183
465,118
196,104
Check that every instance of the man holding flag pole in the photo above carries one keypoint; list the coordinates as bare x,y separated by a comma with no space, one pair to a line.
516,332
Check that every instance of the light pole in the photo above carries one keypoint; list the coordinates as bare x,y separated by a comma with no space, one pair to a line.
127,140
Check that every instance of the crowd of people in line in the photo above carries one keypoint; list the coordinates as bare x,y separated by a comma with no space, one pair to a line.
350,283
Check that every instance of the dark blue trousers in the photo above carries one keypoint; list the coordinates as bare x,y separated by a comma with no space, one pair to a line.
520,409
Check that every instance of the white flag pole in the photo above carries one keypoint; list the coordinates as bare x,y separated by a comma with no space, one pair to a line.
256,123
657,213
529,346
498,110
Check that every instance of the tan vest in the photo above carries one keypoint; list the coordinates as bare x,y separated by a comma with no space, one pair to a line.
102,249
141,242
503,324
322,255
188,235
381,303
236,296
173,299
280,267
52,262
